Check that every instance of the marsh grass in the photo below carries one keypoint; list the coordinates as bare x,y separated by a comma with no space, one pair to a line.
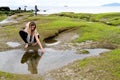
99,31
87,28
107,18
51,25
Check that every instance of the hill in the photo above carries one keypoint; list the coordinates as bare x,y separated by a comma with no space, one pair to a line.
112,4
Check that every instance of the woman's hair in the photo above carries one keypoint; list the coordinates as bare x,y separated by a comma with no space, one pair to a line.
30,25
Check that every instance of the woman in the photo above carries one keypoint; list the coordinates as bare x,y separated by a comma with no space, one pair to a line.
30,36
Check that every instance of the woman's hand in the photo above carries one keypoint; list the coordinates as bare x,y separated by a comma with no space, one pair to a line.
39,43
42,50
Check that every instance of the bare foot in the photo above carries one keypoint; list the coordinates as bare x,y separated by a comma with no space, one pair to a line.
34,44
26,45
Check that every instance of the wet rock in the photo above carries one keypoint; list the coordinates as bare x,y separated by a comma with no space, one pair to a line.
2,78
79,51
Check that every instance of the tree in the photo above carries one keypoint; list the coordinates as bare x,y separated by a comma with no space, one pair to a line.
25,8
19,8
4,8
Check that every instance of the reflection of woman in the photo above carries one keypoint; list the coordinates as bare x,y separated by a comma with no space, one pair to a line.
30,36
32,59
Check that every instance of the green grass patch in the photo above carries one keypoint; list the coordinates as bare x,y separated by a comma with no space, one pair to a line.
107,18
52,24
99,31
10,76
84,16
2,17
9,33
106,15
115,22
108,62
54,27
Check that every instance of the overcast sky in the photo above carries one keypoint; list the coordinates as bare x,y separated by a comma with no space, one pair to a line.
56,2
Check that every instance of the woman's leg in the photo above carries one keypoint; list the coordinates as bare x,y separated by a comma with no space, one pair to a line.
35,42
35,39
23,35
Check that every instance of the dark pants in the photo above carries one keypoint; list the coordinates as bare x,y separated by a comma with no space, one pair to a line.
24,35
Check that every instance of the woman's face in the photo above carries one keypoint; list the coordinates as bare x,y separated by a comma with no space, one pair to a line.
33,28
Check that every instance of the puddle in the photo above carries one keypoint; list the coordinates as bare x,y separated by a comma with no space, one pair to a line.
62,38
13,44
32,62
67,36
51,42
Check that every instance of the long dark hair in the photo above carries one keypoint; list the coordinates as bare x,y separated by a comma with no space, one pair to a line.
32,24
29,29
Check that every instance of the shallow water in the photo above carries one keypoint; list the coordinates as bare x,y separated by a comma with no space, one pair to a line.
51,42
32,62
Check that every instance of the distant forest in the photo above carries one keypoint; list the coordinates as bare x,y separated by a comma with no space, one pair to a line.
6,10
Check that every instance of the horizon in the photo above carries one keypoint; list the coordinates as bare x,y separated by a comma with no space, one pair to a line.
65,6
51,3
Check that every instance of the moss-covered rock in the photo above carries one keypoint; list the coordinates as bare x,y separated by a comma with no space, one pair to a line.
82,51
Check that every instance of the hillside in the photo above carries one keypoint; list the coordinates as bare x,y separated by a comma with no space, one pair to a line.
112,4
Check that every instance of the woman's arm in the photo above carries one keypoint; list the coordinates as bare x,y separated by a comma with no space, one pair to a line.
38,41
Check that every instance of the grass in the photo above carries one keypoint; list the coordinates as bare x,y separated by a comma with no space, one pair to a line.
106,15
89,27
108,62
51,25
9,33
2,17
104,67
81,16
95,31
107,18
88,31
115,21
98,31
9,76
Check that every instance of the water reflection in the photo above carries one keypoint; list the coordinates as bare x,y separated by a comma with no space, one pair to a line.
24,62
31,58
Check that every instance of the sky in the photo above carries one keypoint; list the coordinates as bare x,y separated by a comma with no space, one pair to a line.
87,3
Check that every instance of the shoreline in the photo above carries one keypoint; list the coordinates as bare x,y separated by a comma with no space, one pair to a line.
92,10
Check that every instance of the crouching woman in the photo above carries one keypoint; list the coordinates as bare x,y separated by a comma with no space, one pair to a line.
30,36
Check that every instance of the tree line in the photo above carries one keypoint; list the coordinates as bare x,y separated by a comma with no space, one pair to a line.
6,10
